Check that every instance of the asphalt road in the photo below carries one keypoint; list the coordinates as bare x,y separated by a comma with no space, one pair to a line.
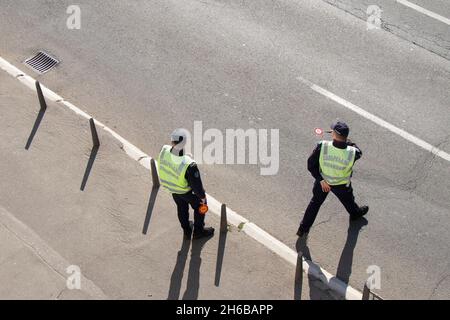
405,22
146,67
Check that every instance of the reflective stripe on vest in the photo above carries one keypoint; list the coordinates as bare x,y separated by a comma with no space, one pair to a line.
172,170
336,164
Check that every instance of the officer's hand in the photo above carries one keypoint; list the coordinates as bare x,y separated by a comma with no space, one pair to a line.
325,186
350,143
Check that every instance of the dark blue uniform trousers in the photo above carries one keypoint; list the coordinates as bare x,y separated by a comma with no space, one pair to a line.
343,192
183,201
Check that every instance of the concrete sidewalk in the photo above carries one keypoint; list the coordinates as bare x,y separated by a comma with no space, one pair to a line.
101,228
26,273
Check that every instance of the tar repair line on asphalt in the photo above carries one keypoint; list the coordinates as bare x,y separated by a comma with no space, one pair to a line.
50,257
424,11
252,230
382,123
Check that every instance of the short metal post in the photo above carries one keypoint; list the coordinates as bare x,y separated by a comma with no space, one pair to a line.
223,218
298,277
366,292
95,139
299,267
154,174
41,96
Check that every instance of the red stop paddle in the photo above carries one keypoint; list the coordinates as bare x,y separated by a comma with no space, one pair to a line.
318,131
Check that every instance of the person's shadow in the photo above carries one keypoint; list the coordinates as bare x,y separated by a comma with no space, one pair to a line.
344,269
345,261
302,247
193,280
178,271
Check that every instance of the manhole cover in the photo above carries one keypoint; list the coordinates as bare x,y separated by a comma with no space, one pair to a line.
42,62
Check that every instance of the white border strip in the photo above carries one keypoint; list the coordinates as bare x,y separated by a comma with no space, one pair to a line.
382,123
233,218
424,11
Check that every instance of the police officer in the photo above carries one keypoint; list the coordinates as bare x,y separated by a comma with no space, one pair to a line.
331,164
179,174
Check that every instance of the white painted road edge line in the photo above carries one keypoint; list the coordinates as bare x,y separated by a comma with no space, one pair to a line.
214,205
382,123
46,253
424,11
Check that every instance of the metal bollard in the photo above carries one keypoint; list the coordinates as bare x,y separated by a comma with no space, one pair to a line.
154,174
298,277
299,267
95,139
223,218
366,292
41,96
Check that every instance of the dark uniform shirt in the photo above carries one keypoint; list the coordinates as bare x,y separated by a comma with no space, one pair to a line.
194,180
313,160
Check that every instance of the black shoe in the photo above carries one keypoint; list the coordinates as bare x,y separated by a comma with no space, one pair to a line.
206,232
187,233
301,233
362,212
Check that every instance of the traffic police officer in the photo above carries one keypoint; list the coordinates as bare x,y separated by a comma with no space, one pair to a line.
179,174
331,164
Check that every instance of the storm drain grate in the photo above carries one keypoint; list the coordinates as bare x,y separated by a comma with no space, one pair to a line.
41,62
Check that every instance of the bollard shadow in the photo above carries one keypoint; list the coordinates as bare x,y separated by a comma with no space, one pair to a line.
35,128
89,166
151,204
344,269
193,280
178,271
220,255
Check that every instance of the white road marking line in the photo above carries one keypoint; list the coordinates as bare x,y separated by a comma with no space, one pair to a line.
382,123
252,230
424,11
45,252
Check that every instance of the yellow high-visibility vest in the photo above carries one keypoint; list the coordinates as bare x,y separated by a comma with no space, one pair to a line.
336,165
172,170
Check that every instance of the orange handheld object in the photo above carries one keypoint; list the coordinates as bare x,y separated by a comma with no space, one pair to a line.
203,209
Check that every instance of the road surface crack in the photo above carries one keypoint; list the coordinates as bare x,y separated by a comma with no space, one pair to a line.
429,43
60,293
423,168
436,287
324,221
